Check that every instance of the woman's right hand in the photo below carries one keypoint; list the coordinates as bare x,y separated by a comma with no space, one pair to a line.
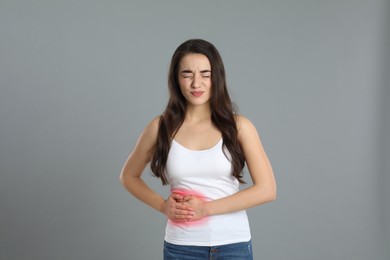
175,209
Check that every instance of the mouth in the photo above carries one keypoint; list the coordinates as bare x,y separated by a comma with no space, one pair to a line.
197,93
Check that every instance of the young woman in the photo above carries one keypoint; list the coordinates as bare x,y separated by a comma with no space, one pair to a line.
199,146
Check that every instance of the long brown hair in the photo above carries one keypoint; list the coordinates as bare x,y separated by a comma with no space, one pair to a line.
222,110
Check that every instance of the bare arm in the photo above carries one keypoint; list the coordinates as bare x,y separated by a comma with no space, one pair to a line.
131,177
263,189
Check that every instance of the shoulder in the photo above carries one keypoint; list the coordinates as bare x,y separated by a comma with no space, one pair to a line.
245,128
151,130
153,125
148,136
243,123
147,140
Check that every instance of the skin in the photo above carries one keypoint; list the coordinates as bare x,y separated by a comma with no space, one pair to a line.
198,133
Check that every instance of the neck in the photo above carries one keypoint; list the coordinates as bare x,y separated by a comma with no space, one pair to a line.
198,113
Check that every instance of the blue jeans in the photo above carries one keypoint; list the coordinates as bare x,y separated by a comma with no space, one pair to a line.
235,251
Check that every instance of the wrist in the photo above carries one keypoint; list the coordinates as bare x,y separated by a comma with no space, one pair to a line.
161,206
207,208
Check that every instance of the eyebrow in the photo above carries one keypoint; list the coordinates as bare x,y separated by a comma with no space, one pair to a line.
189,71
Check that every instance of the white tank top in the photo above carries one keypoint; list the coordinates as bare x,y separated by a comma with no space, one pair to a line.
208,174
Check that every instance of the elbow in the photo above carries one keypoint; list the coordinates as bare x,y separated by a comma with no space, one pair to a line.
128,181
272,196
267,195
272,193
122,178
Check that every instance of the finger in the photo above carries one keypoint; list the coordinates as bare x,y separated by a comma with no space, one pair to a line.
179,220
184,207
187,198
182,218
176,196
185,213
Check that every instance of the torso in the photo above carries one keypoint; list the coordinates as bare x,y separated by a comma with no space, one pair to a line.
205,172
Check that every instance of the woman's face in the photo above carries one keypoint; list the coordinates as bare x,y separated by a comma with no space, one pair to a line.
195,79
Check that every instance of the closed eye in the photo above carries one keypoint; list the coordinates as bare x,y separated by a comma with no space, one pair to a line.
186,75
205,73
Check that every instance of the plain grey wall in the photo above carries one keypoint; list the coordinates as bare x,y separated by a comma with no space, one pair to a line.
80,79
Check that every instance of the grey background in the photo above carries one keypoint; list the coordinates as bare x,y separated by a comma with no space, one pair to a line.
80,80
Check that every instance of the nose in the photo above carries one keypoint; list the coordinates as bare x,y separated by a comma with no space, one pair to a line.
196,82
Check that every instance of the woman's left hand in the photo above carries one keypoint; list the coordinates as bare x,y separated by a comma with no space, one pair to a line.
197,204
